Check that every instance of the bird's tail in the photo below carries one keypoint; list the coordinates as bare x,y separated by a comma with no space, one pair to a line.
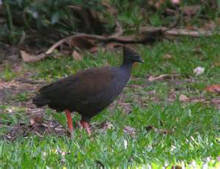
40,101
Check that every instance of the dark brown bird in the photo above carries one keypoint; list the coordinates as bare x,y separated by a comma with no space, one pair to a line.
88,92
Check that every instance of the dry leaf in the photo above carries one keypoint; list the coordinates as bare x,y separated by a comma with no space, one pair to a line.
148,128
167,56
93,49
191,10
213,88
160,77
190,27
161,131
36,119
185,32
129,130
153,78
198,70
216,102
31,58
211,25
183,98
176,167
76,55
217,64
106,125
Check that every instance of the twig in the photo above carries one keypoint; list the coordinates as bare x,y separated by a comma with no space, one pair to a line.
28,81
57,44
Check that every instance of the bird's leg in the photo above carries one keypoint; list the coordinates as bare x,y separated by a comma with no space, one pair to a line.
86,126
69,121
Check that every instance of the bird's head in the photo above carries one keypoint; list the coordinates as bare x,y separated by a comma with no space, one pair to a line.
131,56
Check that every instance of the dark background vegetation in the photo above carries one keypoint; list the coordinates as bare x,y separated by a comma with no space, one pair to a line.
46,21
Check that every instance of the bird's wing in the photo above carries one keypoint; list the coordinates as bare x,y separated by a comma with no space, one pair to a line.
80,87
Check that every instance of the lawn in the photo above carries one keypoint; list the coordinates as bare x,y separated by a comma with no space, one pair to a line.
165,122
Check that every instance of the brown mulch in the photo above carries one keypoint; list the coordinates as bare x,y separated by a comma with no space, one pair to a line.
39,129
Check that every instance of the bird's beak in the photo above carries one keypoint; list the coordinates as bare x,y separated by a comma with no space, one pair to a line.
140,60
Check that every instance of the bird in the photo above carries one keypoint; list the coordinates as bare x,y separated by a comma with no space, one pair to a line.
88,92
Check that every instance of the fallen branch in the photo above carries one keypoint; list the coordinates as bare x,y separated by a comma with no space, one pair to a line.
147,35
142,38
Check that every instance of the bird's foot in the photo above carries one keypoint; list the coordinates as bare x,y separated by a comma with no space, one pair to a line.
86,126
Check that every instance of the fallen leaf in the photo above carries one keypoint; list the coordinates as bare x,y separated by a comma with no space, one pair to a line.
161,131
36,119
217,64
211,25
153,78
213,88
190,27
216,102
76,55
183,98
148,128
176,167
31,58
100,165
129,130
160,77
185,32
167,56
196,100
59,151
190,10
198,70
106,125
93,49
164,131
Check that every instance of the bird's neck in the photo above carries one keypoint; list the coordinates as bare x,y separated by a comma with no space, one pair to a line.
126,67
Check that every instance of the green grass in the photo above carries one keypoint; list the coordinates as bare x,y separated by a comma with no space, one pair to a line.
7,74
191,137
